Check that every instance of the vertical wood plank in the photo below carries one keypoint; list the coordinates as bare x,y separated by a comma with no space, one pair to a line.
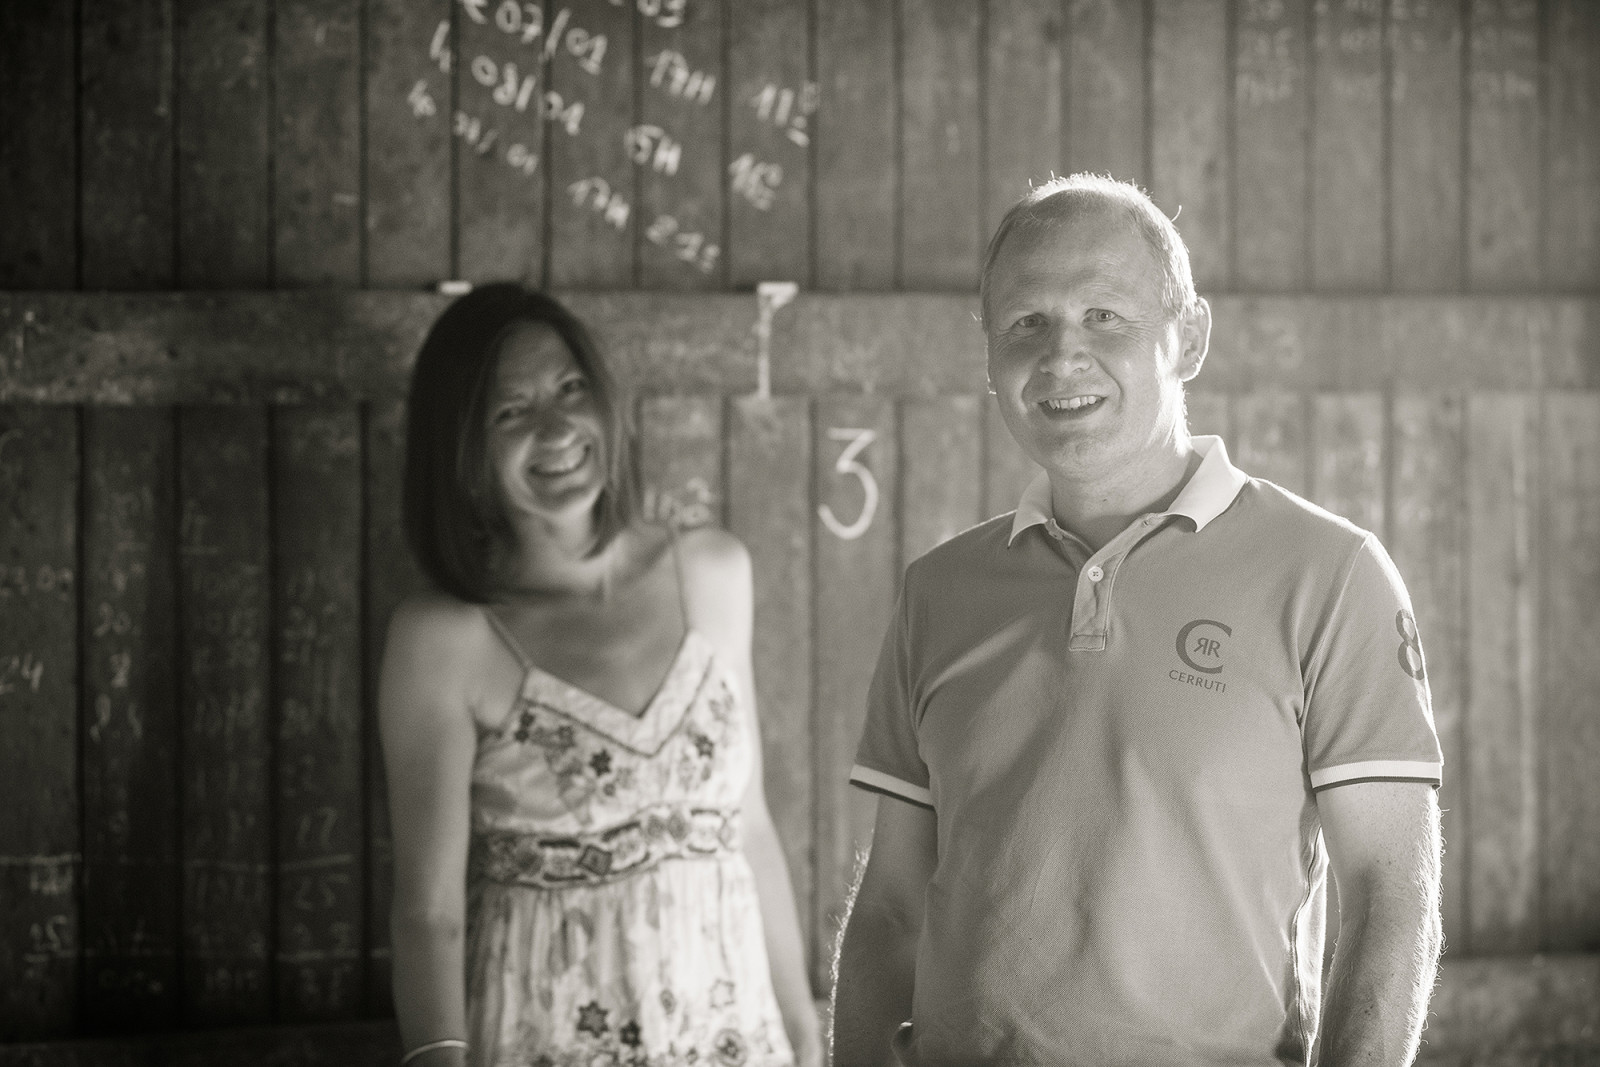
769,496
39,839
592,174
856,132
1347,188
1189,136
1023,96
1271,106
1425,131
126,153
224,591
316,143
38,159
391,576
855,579
683,91
772,100
224,211
500,202
1570,634
1108,77
317,689
1502,795
1503,144
1269,438
1007,470
940,180
680,460
408,115
130,732
941,461
1572,172
1427,538
1348,463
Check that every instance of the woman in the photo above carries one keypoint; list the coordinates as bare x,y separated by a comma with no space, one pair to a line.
585,868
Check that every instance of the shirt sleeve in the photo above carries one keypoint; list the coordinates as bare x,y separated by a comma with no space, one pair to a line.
1368,714
887,760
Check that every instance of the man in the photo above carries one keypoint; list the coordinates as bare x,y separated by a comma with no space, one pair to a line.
1122,734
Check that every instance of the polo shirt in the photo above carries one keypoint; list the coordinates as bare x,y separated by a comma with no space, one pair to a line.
1122,748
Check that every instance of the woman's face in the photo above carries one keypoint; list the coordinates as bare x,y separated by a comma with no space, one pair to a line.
546,440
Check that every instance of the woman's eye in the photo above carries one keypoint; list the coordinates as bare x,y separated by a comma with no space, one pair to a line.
574,387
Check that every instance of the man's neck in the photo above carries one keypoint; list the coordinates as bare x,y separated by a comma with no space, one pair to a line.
1097,509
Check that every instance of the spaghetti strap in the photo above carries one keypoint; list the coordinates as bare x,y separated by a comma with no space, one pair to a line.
524,660
677,566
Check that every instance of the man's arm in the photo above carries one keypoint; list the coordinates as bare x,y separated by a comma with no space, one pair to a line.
878,950
1384,849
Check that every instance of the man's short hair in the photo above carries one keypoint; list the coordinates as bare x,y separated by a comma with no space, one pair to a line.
451,506
1062,199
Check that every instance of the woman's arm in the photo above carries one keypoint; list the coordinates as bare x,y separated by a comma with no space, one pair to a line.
425,723
722,601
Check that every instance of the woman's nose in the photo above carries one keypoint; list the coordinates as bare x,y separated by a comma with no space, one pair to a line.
553,427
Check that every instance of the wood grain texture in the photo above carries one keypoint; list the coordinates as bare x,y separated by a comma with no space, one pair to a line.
1569,742
316,143
1428,541
1270,440
913,343
40,846
772,101
856,133
389,576
317,691
941,166
224,208
1189,168
856,570
769,498
592,174
1502,708
684,91
500,206
1347,186
38,156
1271,107
129,739
1349,467
1108,88
1503,144
1426,250
409,175
224,591
941,470
1007,470
1023,97
125,107
1572,168
680,460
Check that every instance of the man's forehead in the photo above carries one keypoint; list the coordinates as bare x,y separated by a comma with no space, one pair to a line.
1096,252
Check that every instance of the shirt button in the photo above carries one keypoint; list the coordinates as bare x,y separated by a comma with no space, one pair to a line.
1095,574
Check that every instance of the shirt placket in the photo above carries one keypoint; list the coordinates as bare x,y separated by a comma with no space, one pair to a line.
1091,604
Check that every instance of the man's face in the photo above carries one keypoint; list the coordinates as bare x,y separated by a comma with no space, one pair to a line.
1087,364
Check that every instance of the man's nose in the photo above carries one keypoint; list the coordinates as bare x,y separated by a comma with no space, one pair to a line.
1067,350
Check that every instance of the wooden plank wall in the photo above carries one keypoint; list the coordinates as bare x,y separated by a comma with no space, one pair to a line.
199,489
1329,145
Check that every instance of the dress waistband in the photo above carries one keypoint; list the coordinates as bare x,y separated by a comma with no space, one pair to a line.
661,832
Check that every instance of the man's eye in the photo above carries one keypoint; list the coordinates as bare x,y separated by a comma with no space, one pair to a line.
1030,322
1102,315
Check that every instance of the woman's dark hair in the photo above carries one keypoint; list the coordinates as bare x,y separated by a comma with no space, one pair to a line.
450,505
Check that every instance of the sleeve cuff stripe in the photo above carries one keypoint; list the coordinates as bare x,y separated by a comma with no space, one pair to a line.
878,782
1405,770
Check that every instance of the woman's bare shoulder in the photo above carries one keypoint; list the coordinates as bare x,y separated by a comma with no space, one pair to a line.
715,552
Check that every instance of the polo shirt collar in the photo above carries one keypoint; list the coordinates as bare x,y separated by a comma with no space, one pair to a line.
1206,494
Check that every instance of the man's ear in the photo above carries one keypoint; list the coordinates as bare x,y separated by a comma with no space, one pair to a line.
1194,340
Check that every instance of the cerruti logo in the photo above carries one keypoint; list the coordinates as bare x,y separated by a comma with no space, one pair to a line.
1200,645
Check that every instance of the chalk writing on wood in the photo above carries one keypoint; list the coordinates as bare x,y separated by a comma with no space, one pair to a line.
848,464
